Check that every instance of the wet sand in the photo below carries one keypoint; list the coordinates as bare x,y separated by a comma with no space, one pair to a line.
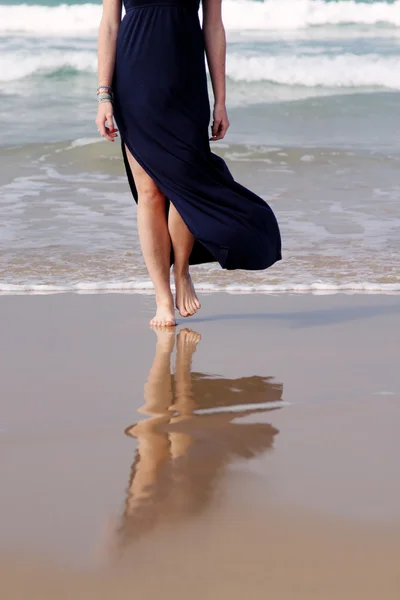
255,455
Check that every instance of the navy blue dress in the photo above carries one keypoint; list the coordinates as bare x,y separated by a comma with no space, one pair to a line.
163,115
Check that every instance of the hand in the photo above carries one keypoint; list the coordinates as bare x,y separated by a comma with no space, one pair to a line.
220,123
105,115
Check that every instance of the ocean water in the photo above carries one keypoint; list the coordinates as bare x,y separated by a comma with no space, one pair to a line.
314,102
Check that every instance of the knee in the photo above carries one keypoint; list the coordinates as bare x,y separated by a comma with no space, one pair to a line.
150,197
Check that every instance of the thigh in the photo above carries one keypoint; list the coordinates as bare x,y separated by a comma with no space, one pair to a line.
143,181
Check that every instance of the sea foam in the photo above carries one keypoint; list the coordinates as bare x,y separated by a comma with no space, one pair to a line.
76,19
308,70
318,287
343,70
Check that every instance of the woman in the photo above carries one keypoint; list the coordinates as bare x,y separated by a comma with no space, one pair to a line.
152,79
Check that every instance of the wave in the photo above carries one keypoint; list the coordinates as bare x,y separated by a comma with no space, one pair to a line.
78,19
68,20
18,65
300,14
343,70
307,70
317,287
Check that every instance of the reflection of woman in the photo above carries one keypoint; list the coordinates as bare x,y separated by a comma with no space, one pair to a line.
152,79
180,454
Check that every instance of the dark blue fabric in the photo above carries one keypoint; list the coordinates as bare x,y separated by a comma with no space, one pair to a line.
163,114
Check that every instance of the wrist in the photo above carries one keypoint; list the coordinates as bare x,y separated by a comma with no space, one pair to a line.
220,103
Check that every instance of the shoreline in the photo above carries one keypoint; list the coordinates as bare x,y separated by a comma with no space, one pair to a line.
392,289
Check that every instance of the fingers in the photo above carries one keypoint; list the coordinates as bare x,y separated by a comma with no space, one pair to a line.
215,128
108,132
101,126
219,132
110,120
111,131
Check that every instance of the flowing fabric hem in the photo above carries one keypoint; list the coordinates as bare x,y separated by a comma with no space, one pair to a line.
202,252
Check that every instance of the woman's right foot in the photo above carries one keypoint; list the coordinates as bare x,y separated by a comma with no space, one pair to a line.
165,315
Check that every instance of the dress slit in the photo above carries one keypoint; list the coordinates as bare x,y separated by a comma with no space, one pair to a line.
200,253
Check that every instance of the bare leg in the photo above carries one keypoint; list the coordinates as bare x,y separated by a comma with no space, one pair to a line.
182,241
155,242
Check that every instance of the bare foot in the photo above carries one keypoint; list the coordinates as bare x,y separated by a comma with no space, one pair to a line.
165,315
186,300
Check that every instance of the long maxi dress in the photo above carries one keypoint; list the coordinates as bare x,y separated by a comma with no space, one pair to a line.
162,110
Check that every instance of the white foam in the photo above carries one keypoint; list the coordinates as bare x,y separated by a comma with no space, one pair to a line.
68,20
299,14
146,286
73,20
341,71
309,70
86,141
17,65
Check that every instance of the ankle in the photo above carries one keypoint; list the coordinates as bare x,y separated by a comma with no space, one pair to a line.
181,271
165,299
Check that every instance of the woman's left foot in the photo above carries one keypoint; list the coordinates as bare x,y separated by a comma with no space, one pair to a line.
186,300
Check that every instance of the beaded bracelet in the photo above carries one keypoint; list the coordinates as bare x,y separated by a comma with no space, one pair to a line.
104,98
104,87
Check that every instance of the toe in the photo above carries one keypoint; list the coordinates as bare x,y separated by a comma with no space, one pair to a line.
184,311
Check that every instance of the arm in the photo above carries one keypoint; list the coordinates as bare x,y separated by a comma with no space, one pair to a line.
215,44
106,48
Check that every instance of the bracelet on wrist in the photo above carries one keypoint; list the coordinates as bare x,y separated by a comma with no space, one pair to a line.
107,88
104,98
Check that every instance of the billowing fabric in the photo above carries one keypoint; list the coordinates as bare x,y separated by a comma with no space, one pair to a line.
163,115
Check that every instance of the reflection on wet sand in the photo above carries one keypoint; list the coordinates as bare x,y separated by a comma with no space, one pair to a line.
181,456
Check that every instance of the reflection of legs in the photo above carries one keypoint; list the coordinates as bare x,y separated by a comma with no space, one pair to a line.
155,241
153,445
158,388
182,242
153,450
184,401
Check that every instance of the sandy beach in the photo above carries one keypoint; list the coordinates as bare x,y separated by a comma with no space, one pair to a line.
251,452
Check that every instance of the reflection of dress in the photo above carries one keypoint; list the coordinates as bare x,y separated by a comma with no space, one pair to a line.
184,482
163,114
211,391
